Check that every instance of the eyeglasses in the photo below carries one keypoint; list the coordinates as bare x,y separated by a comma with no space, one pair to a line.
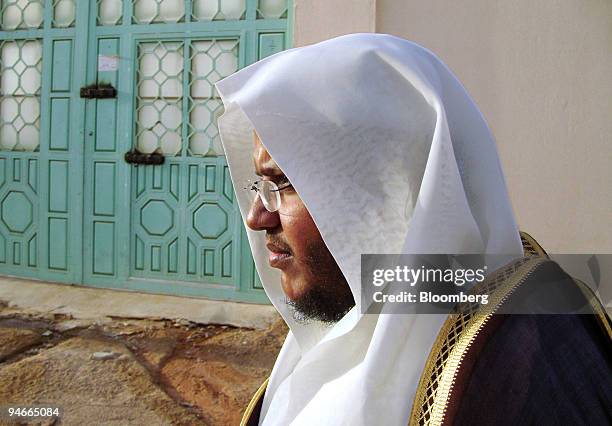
268,191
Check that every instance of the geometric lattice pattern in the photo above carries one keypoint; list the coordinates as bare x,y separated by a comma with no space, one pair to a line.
22,14
20,72
161,106
271,9
64,13
211,60
218,10
173,11
110,12
153,11
160,96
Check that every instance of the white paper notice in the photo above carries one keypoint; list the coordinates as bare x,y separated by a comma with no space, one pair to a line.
108,63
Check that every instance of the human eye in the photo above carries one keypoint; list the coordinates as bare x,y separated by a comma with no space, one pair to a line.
282,182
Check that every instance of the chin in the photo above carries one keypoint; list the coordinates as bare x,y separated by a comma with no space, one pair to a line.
292,286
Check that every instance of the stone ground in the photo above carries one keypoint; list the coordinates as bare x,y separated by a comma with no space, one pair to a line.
129,371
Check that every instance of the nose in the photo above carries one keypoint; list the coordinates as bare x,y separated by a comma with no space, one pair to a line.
260,219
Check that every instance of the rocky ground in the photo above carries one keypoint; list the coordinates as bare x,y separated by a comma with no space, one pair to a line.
127,371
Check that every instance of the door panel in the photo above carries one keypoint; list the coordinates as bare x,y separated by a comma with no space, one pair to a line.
185,221
40,158
182,233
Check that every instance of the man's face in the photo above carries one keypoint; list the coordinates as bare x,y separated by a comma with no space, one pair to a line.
310,277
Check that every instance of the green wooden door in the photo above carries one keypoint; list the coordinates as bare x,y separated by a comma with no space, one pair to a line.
171,228
41,165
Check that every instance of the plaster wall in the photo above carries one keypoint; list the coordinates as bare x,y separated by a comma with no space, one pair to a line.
541,72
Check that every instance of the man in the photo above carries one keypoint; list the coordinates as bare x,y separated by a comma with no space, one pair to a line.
368,144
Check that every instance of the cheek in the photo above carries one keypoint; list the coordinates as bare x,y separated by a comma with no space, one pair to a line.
300,231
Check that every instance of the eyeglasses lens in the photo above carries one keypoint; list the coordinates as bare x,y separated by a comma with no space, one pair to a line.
269,195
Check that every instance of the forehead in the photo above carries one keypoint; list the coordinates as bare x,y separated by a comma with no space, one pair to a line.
262,160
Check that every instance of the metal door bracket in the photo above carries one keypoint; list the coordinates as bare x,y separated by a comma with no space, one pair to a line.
94,91
135,157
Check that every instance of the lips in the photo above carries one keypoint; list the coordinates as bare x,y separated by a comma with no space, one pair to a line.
278,256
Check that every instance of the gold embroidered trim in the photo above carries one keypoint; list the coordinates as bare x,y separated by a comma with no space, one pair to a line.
600,312
456,337
254,400
458,333
530,246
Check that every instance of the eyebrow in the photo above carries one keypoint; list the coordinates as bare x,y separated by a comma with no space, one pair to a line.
269,171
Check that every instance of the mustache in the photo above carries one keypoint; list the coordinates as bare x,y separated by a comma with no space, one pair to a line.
277,241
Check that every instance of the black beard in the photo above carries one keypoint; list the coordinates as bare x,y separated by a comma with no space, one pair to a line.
317,307
330,298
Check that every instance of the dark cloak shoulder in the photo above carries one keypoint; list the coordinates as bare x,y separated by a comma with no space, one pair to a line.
537,369
522,369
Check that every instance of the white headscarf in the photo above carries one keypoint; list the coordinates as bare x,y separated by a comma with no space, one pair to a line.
390,155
